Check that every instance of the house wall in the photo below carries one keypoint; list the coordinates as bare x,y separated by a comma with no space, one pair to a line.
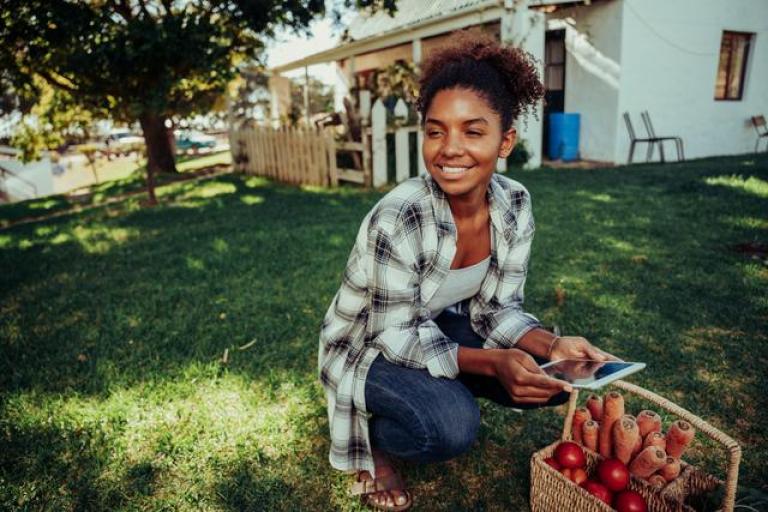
38,173
593,42
669,55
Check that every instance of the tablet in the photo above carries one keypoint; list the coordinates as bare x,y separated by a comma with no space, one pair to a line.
585,374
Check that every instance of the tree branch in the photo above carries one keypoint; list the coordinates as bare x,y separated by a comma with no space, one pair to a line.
143,6
57,82
167,5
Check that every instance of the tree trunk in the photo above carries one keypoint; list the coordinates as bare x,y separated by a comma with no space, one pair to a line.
160,157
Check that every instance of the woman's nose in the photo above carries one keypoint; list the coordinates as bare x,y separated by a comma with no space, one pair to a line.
453,146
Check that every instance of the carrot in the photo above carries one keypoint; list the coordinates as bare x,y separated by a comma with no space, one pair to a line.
648,421
613,410
579,417
679,436
671,469
655,439
595,406
657,481
647,462
625,436
590,433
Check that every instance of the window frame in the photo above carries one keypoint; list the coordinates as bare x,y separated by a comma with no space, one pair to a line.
734,35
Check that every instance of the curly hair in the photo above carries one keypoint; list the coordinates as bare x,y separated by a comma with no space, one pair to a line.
505,77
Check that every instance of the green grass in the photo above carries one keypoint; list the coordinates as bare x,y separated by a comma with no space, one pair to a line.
128,176
114,321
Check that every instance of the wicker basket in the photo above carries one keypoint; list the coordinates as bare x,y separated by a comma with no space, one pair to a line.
553,492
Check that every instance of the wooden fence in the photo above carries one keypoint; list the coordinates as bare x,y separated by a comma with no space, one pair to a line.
298,156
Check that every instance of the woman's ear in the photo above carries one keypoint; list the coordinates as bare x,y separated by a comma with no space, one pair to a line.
508,139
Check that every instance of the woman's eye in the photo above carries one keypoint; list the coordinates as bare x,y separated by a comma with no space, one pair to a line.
433,133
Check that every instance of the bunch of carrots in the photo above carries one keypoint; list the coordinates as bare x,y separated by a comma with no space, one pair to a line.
603,426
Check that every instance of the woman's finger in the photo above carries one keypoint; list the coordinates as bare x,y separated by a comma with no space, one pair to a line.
543,381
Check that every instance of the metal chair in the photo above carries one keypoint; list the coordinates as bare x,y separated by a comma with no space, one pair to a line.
660,140
762,131
634,140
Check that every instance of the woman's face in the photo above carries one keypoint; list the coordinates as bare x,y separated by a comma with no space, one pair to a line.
462,140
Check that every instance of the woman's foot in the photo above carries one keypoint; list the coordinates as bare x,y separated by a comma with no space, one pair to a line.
392,499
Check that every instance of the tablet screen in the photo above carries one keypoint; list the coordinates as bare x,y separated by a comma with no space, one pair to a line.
583,373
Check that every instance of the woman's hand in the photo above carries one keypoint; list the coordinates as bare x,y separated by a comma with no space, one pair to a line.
523,379
576,347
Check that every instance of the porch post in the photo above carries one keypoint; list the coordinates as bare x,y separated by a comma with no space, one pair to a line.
422,170
306,95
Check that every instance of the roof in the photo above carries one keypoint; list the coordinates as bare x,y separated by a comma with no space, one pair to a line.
409,13
413,19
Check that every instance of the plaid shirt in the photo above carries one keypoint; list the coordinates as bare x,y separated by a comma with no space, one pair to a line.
402,254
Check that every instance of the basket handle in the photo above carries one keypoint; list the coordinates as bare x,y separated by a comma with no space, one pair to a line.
734,450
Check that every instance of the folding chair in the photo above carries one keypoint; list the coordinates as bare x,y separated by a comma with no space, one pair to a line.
762,131
634,140
660,140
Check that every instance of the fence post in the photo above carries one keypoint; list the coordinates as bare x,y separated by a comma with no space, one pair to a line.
379,143
402,157
419,145
330,157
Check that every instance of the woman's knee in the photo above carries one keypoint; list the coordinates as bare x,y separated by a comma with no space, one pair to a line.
455,433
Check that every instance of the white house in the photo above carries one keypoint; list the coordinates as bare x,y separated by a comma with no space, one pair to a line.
699,67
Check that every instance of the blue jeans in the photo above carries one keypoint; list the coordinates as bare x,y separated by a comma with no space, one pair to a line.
421,418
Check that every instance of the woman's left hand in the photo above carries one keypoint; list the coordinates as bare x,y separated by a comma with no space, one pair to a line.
576,347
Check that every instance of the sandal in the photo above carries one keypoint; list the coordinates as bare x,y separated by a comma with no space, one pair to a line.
366,488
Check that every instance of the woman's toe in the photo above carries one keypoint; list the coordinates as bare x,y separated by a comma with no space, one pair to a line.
400,498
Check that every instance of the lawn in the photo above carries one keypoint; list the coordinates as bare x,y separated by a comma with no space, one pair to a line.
115,392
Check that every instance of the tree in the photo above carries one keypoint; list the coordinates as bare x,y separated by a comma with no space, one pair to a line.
144,60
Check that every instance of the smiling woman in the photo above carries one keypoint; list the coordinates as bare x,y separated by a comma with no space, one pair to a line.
429,314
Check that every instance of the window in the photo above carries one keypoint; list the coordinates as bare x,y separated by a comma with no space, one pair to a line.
734,50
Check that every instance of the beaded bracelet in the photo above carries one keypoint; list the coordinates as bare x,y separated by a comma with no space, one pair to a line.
552,345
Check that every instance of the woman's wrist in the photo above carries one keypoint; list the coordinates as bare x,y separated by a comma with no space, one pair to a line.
478,361
538,342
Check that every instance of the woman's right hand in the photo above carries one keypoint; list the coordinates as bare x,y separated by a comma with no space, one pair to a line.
525,382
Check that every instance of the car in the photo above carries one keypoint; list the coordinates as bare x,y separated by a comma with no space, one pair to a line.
194,140
122,142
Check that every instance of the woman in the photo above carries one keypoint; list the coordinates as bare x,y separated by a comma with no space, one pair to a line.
429,314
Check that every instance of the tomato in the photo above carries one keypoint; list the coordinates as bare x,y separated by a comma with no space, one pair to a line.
613,474
567,473
552,462
578,476
570,455
598,490
630,501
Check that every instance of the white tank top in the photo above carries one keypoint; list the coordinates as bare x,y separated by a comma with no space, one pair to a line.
459,284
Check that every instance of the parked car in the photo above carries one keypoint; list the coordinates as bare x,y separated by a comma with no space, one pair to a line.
194,140
122,142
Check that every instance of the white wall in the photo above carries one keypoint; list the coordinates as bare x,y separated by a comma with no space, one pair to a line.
669,55
592,72
37,173
527,32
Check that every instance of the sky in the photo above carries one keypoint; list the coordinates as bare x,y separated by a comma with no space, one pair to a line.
289,47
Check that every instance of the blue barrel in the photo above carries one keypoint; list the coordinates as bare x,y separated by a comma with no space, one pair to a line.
564,136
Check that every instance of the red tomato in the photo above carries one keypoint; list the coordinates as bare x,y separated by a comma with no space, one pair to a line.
578,476
567,473
598,490
570,455
630,501
613,474
552,462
